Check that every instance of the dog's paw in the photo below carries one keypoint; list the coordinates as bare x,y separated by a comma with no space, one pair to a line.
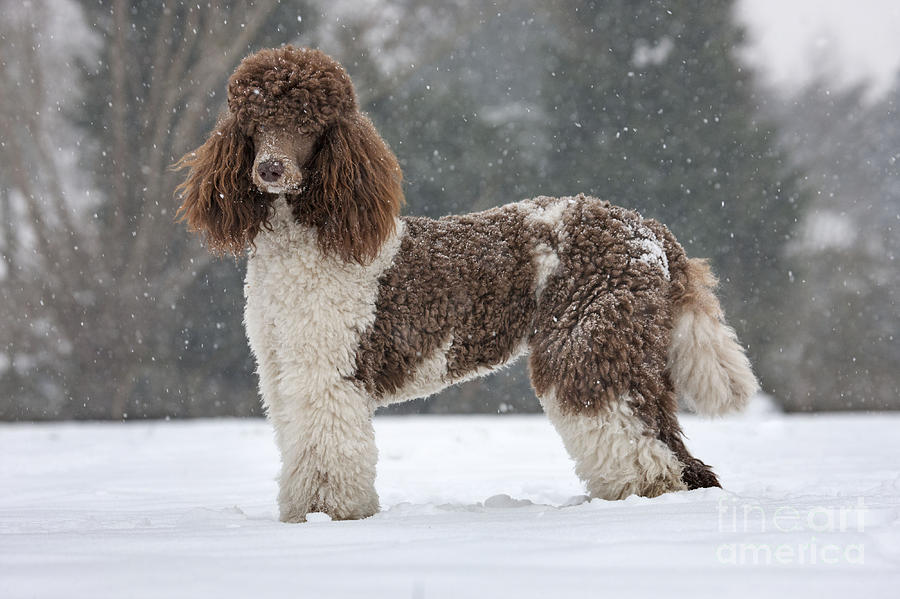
295,513
292,515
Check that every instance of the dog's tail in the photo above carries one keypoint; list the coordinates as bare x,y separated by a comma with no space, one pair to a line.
707,365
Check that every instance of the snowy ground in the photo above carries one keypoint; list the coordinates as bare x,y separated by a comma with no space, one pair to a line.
472,507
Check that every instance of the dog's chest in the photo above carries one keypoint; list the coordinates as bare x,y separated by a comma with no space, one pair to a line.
305,311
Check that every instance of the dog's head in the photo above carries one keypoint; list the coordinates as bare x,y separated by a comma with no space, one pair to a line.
293,127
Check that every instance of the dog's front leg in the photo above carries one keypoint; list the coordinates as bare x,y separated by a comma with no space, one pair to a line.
328,455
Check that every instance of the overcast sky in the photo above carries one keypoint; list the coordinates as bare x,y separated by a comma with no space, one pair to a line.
850,40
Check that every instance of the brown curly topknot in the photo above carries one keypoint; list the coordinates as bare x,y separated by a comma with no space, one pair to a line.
300,89
353,183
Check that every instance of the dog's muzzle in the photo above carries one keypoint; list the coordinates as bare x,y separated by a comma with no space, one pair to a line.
270,171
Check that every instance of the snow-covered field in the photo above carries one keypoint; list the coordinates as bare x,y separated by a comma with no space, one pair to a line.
472,507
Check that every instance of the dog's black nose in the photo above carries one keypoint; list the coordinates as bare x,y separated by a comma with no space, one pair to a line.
270,170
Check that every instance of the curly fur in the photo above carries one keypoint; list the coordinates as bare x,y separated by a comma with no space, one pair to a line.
349,306
294,88
705,362
355,189
219,198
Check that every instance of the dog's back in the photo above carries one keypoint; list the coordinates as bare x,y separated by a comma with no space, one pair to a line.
584,285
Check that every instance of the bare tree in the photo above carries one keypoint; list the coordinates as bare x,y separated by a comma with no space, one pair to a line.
94,272
45,200
109,309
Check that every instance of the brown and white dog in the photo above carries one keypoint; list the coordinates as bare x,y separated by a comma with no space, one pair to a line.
351,307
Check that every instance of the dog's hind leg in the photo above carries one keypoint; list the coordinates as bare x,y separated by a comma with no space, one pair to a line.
597,363
614,453
695,474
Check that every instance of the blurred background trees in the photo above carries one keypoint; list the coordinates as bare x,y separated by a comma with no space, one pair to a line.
839,347
109,310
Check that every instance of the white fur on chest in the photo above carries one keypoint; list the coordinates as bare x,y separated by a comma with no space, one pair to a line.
306,311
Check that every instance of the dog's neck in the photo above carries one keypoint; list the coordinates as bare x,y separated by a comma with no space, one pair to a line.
284,233
286,237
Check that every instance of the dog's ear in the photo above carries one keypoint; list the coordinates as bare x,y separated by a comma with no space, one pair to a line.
219,199
354,192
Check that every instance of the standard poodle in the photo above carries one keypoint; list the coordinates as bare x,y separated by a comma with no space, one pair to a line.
350,306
